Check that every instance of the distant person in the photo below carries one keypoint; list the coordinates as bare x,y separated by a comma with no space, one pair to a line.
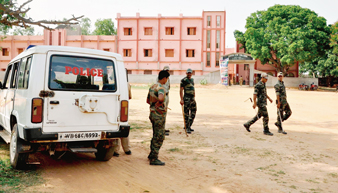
157,100
124,140
188,100
241,80
282,104
167,88
261,96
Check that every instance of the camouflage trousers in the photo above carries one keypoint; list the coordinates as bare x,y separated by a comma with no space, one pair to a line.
158,124
190,109
285,113
262,112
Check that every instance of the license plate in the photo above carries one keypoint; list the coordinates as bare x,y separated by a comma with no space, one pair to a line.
79,136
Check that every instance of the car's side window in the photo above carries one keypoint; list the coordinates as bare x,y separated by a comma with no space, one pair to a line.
24,73
8,73
14,74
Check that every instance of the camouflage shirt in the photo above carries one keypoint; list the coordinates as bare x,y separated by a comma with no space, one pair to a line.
260,91
280,91
188,86
155,106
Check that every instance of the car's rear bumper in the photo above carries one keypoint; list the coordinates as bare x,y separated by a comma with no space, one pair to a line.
36,134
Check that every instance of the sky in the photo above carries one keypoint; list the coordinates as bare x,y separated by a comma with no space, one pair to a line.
236,10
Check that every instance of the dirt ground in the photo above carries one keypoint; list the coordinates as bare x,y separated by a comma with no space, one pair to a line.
220,156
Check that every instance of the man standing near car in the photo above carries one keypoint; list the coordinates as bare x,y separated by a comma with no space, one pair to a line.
282,104
188,100
261,95
157,100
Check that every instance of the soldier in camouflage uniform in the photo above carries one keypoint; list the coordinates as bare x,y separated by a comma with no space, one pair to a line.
282,104
157,100
167,88
188,100
261,95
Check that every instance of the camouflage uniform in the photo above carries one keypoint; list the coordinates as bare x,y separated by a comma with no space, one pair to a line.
260,91
189,101
157,118
284,107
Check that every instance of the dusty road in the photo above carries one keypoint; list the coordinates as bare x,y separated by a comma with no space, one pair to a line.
220,156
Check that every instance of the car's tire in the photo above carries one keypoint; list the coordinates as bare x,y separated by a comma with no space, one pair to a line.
18,160
104,154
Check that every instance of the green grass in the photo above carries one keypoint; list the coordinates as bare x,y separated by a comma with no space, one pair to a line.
175,149
12,180
333,175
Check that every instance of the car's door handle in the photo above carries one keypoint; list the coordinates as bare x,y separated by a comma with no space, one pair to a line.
54,102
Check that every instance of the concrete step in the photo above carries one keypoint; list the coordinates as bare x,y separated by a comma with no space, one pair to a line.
83,150
5,135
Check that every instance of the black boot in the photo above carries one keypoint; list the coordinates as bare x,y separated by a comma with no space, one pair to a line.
167,132
156,162
280,129
247,127
267,132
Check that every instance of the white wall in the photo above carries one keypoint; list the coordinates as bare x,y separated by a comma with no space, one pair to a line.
292,82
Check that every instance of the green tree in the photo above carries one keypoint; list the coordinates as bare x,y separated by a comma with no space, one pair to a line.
12,14
24,31
85,26
334,38
104,27
284,35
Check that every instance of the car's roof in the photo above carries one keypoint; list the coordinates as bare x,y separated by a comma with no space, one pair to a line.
44,49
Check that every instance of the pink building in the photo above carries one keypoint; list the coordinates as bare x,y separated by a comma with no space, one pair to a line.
147,44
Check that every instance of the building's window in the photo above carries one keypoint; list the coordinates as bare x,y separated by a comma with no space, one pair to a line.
218,39
246,66
169,31
208,58
191,31
59,38
208,39
148,31
169,52
171,72
147,72
190,53
5,52
20,50
128,32
218,20
106,49
193,72
217,58
129,71
148,53
209,21
127,52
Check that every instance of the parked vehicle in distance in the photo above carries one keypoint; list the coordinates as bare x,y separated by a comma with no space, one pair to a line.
303,87
313,86
57,99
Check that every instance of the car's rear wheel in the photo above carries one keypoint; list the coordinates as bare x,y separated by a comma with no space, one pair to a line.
18,160
103,153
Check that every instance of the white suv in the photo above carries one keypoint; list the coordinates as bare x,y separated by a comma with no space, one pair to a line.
56,99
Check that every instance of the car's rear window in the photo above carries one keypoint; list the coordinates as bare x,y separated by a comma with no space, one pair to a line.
81,74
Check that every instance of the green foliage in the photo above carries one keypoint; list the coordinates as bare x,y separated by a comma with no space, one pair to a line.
334,38
240,38
85,26
204,81
285,34
104,27
24,31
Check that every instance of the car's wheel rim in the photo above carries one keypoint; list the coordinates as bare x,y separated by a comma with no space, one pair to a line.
13,147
